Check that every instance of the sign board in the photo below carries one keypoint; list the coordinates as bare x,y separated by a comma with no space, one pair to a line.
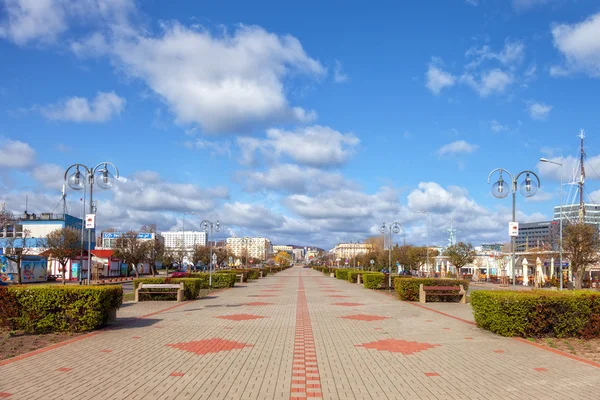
513,229
116,235
90,221
214,258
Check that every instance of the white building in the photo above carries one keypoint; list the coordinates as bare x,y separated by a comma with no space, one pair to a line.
175,240
257,247
279,247
345,251
570,213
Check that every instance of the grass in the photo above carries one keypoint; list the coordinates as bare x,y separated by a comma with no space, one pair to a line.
551,343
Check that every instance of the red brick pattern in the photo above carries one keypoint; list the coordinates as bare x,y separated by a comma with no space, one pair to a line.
306,382
4,395
499,351
177,374
240,317
215,345
540,369
398,346
431,374
364,317
105,351
63,369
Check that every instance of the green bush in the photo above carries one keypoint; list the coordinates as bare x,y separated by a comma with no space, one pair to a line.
538,313
373,280
191,287
408,288
57,308
224,279
353,275
341,273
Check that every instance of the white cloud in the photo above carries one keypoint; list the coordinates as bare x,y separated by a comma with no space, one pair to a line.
214,148
511,54
437,79
51,176
490,82
104,107
570,168
338,73
224,83
44,21
473,3
459,146
16,154
250,215
579,45
539,111
496,126
294,179
317,146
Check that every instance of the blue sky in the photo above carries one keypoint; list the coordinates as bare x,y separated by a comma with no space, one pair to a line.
307,123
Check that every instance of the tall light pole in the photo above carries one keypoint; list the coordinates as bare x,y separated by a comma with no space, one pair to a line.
428,230
183,246
528,189
387,229
245,241
561,219
77,181
208,225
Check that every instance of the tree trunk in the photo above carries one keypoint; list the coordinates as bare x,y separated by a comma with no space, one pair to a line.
137,273
63,274
579,278
153,268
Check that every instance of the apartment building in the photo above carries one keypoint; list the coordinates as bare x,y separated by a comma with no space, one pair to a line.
177,239
345,251
257,247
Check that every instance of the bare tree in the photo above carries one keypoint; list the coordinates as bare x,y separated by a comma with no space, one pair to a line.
16,248
131,250
200,254
581,243
156,250
63,245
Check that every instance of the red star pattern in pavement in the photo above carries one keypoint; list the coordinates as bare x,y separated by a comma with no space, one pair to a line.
4,395
365,317
207,346
240,317
346,304
398,346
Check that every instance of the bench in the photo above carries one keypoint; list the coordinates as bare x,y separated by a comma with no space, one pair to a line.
177,288
240,277
442,291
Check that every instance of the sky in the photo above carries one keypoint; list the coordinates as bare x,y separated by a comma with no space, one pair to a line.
308,123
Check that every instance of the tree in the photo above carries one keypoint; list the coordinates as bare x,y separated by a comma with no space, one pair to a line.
410,256
63,245
460,254
131,250
283,258
200,254
16,248
581,243
156,250
166,259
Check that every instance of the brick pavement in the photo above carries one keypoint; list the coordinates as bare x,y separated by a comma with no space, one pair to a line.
369,346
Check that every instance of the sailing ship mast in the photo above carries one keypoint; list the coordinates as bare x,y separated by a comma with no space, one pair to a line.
581,180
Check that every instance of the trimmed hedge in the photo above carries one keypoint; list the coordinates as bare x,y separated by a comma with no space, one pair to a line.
408,288
54,308
341,273
373,280
353,275
223,279
191,287
538,313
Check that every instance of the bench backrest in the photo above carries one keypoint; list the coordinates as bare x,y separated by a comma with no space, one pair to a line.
457,288
161,286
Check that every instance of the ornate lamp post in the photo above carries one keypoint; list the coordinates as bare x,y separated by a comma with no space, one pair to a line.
78,180
209,227
528,188
387,229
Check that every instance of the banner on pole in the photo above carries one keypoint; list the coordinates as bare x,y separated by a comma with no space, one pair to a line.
90,221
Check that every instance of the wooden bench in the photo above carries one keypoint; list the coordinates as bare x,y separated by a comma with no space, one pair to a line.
177,288
442,291
240,277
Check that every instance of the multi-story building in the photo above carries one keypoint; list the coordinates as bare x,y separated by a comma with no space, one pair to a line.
257,247
345,251
109,239
542,234
176,239
279,247
298,255
570,213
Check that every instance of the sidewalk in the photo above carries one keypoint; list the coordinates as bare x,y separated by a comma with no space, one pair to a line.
297,334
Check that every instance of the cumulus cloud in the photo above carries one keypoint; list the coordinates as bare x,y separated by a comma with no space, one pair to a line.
316,146
489,82
50,176
511,54
16,154
437,79
293,179
496,126
570,168
214,148
579,45
102,108
539,111
338,73
223,83
457,147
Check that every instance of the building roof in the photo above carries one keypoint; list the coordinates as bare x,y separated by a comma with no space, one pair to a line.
103,253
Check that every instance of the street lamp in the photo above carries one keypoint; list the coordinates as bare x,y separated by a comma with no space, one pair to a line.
528,188
216,227
561,218
245,241
428,225
183,246
77,181
387,229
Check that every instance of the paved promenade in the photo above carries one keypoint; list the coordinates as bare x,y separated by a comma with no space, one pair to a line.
297,334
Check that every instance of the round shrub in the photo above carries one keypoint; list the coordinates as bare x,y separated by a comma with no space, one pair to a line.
341,273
